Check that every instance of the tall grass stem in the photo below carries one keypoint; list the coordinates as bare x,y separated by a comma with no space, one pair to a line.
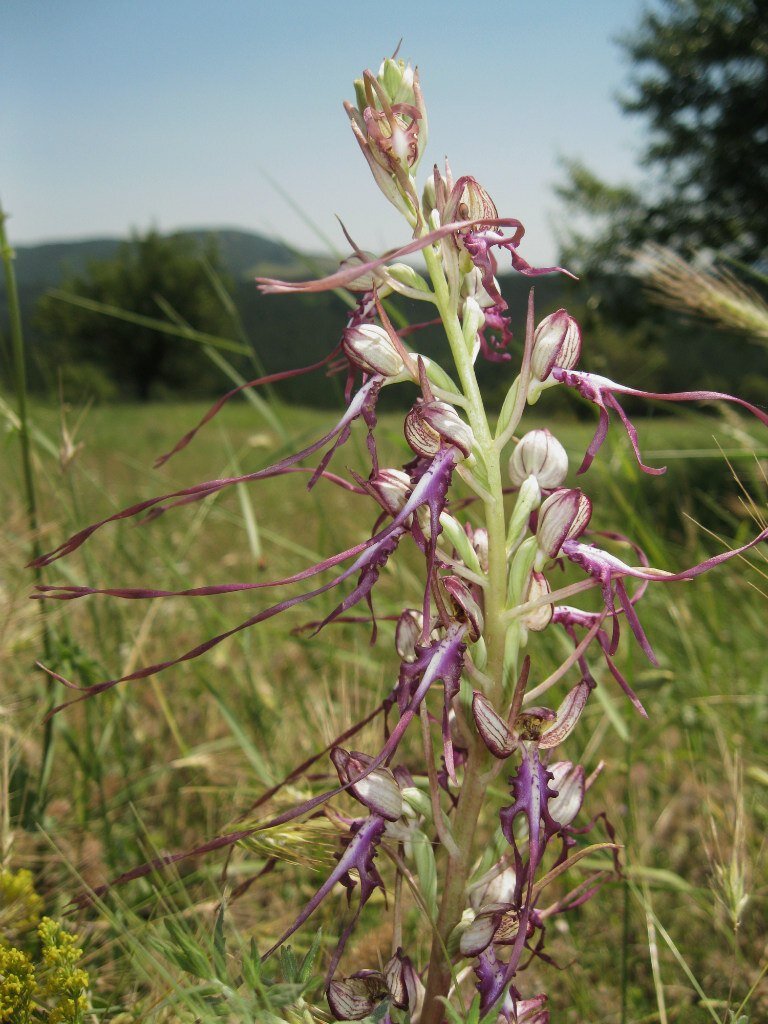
28,477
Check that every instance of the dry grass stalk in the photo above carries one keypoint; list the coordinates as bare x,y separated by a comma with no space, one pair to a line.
712,292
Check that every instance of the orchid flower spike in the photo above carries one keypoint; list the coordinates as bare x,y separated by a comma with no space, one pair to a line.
467,634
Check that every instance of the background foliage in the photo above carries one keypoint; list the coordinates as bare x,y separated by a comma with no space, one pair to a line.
701,82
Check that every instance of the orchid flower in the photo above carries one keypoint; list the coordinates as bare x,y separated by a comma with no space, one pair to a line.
610,572
602,392
397,983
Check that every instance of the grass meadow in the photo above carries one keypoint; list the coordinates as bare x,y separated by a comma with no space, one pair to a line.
165,764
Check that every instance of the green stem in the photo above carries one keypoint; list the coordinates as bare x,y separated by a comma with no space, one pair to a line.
474,783
495,594
470,804
20,382
625,910
30,493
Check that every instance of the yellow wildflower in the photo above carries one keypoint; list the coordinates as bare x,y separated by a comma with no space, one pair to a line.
17,986
20,905
65,983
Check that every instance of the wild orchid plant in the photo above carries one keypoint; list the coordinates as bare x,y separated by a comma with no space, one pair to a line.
488,587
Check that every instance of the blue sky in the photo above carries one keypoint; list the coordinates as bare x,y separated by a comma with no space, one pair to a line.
123,114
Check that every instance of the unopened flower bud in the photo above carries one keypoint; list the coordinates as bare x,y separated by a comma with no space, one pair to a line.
539,454
394,128
538,618
528,499
370,347
417,804
430,425
428,198
391,488
465,607
459,537
407,276
379,791
435,194
360,97
568,781
480,544
397,78
557,342
391,134
472,287
407,633
493,730
563,515
472,320
367,281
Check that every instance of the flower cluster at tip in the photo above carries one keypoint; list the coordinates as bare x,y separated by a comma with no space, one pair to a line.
467,639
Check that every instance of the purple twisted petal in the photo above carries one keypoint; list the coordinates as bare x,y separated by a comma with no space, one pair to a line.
601,392
358,407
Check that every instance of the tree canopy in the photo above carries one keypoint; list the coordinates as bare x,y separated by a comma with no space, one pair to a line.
153,276
701,80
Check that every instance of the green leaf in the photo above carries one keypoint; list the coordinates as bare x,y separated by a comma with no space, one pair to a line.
220,946
305,971
252,967
289,964
473,1014
283,994
426,869
451,1012
163,326
185,952
505,416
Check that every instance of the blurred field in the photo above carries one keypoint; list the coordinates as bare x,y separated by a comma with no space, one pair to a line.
165,764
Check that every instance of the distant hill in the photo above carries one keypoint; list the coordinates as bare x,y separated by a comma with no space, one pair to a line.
298,332
44,265
245,254
625,335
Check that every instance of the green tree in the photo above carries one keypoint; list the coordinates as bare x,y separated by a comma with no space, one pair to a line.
701,80
153,276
